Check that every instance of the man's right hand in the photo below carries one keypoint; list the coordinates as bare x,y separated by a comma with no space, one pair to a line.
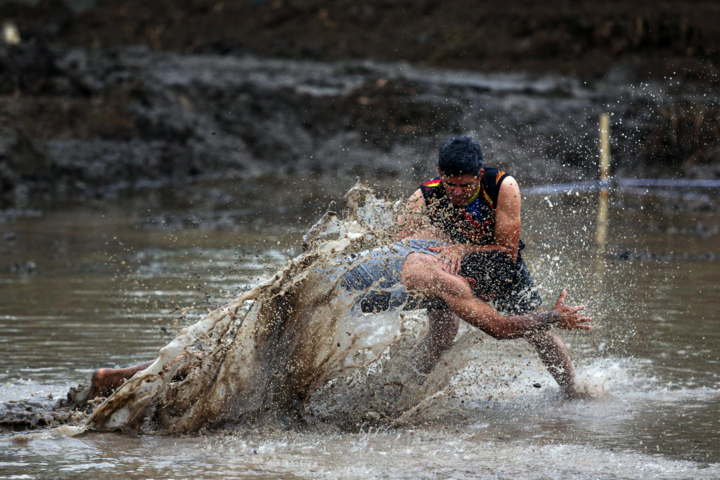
570,318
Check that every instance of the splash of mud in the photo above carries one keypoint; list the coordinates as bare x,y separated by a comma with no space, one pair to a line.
264,354
294,347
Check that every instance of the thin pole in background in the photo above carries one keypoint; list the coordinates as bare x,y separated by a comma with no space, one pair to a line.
604,169
601,230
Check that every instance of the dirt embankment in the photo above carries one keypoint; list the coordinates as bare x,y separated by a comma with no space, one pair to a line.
581,37
83,114
94,122
84,122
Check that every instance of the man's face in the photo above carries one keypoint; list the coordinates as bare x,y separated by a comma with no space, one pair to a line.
461,189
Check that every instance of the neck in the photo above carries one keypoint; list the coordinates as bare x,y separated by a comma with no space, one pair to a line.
473,197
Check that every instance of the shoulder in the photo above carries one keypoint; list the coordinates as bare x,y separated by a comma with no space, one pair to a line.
415,196
509,195
416,200
430,184
494,178
509,186
493,181
431,189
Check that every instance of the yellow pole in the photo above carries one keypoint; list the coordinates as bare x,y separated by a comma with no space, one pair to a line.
601,231
604,168
604,146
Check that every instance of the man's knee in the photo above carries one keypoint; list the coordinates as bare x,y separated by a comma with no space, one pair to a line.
444,320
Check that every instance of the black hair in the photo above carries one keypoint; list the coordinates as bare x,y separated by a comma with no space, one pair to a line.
459,156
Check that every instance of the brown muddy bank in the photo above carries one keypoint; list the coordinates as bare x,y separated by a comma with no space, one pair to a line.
581,38
79,123
129,94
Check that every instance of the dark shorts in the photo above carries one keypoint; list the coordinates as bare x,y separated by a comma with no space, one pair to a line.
498,279
506,283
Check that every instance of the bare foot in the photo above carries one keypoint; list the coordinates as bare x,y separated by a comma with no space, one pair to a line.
575,393
106,380
102,383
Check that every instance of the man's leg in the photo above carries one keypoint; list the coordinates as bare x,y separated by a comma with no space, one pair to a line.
512,284
106,380
554,355
442,327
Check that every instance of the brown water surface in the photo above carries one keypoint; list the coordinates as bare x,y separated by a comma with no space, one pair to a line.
109,286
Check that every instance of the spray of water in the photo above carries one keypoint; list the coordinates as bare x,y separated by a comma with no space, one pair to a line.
265,353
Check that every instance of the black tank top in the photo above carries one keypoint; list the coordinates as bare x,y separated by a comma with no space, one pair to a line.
473,223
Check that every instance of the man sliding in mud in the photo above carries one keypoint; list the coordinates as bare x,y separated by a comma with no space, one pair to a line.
461,245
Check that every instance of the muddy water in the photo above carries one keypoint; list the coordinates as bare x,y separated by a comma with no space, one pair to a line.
111,283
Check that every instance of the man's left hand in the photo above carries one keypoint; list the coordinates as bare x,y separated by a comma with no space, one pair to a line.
451,257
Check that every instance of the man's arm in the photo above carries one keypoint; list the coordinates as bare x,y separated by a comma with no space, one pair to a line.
412,220
428,278
507,217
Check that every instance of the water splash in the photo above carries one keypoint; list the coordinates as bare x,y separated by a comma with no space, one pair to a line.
265,353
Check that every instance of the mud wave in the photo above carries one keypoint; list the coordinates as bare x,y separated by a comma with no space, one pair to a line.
265,353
